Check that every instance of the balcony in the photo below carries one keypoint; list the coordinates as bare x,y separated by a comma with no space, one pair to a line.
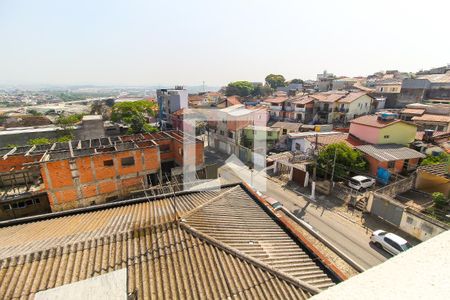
276,108
300,109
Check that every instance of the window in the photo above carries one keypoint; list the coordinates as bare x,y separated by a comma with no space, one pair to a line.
21,204
297,146
409,220
440,128
108,163
393,244
29,202
222,133
6,207
386,136
128,161
37,201
391,164
230,134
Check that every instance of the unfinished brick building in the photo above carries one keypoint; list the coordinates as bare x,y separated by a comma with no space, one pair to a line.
81,173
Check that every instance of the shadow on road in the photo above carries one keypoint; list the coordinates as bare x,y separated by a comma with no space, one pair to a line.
299,213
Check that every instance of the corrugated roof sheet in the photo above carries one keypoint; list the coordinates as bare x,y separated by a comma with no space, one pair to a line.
412,111
390,152
327,139
255,257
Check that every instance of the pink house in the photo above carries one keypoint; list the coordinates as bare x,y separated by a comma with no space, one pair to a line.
374,129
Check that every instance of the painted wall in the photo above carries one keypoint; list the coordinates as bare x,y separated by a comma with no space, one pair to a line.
398,133
365,133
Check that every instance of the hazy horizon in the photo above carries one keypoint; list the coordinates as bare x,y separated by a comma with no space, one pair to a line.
142,43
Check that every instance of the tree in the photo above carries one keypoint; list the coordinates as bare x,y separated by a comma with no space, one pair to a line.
262,91
135,114
34,112
439,200
39,141
296,81
347,160
239,88
435,159
274,81
70,120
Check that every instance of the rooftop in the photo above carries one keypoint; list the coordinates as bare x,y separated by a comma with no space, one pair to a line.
374,121
287,125
352,96
432,118
219,244
327,139
331,96
442,170
278,99
413,111
390,152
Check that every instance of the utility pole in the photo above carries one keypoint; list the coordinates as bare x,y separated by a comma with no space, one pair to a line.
334,165
313,184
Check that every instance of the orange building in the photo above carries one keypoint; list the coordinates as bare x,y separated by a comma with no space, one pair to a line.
82,173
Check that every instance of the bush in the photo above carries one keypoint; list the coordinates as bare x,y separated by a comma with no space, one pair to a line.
440,201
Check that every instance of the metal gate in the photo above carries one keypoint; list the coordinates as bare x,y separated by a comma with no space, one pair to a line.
387,211
298,176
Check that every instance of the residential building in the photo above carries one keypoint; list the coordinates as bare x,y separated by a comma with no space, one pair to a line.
225,135
383,128
287,127
206,99
229,101
219,244
301,109
425,88
291,88
390,157
324,81
389,89
434,122
434,178
261,134
276,106
345,83
169,101
326,106
86,172
353,105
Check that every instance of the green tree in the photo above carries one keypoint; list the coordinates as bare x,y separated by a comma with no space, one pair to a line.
296,81
239,88
347,160
135,114
274,81
262,91
39,141
70,120
439,200
435,159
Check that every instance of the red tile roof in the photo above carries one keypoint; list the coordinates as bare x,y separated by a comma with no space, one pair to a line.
413,111
350,97
280,99
328,97
234,100
303,100
432,118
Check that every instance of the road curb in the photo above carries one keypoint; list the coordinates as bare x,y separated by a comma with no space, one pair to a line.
311,230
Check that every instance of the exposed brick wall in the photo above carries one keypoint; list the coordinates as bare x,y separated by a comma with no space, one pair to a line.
17,161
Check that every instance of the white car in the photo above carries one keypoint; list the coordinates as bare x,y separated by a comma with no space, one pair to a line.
361,182
390,242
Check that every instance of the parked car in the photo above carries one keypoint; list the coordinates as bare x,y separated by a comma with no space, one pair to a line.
390,242
361,182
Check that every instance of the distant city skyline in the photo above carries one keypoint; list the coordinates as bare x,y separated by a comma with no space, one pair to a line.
151,43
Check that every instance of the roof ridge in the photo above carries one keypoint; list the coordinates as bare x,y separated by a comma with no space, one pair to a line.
191,212
282,275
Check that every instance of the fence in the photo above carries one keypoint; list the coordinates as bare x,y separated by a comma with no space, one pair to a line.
398,187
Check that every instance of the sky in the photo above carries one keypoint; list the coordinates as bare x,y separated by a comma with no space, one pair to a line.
133,42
